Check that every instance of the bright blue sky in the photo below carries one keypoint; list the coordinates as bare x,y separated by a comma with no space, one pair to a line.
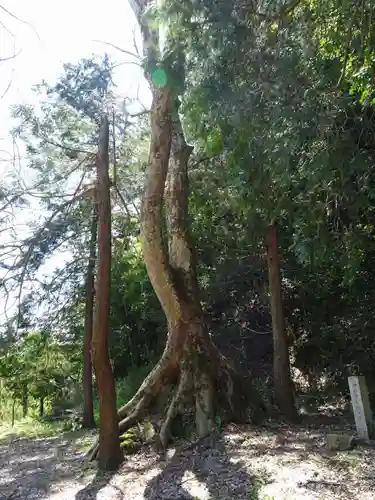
54,33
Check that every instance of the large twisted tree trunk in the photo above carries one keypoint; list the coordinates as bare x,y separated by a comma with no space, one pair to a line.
206,385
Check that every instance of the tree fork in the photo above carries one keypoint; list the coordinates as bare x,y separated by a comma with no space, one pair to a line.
173,278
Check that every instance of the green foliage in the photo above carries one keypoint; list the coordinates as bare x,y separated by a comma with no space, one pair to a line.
128,386
137,322
86,87
36,366
131,440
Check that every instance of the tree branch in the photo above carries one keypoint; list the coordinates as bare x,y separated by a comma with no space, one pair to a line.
9,58
67,148
346,55
19,19
283,11
127,52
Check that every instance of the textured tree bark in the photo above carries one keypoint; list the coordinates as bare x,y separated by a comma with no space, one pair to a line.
205,381
196,359
110,455
88,409
205,377
283,384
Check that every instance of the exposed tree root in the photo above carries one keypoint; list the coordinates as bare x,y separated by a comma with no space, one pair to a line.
206,381
135,410
174,408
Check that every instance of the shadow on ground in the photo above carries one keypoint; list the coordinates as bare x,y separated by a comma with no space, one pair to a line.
275,461
297,459
30,468
99,482
209,471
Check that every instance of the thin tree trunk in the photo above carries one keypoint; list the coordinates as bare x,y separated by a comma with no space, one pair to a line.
110,453
88,407
13,411
283,384
25,400
41,407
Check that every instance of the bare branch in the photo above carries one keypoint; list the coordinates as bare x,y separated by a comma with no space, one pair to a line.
7,29
7,89
123,63
140,113
135,44
123,201
19,20
28,190
120,49
9,58
67,148
32,241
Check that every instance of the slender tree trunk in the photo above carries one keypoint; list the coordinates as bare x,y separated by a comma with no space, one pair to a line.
110,453
25,400
13,411
88,407
283,384
41,407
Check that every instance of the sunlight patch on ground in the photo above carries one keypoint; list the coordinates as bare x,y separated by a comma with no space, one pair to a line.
233,437
171,453
110,491
5,476
191,484
286,477
66,493
39,459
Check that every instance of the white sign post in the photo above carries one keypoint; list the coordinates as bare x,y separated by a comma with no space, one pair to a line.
361,407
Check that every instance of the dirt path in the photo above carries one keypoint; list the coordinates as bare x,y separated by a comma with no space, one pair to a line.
243,463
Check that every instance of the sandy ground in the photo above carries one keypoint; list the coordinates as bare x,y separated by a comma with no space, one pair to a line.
242,462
